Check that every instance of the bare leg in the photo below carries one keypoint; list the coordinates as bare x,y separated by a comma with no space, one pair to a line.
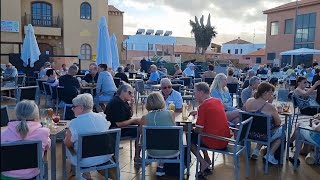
232,115
203,164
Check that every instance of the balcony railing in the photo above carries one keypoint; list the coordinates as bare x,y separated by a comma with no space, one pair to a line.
43,21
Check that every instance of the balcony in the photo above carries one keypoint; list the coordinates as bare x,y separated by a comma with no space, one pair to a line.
43,25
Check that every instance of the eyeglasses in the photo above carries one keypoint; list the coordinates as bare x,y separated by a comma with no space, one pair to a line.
74,106
129,92
168,87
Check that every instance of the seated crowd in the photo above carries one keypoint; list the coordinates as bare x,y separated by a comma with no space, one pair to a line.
215,112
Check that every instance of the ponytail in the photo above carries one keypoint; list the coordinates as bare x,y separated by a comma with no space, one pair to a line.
22,128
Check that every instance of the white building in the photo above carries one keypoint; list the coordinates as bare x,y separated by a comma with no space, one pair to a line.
240,47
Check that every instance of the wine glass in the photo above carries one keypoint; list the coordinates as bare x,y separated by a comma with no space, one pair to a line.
55,119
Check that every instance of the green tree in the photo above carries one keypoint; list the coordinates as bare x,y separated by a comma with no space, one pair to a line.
203,34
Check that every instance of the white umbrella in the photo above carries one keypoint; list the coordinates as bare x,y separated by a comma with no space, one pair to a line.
30,48
103,43
301,51
114,52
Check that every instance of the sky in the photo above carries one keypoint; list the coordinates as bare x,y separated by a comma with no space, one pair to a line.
232,18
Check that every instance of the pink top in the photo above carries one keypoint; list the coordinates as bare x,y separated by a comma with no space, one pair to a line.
36,133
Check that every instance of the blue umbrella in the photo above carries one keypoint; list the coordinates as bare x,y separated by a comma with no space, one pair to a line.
104,55
114,52
30,48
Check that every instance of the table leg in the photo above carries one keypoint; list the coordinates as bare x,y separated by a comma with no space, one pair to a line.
64,169
289,129
53,157
189,148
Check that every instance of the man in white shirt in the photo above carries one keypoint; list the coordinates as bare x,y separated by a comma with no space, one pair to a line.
170,94
189,71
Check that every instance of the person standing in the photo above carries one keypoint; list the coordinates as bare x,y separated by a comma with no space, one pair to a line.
144,65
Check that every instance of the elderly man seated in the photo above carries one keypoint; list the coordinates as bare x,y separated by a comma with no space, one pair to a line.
170,94
93,74
189,71
10,73
248,91
251,73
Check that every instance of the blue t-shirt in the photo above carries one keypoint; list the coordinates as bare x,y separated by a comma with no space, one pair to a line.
154,76
225,98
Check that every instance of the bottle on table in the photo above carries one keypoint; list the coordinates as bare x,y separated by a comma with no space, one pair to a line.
171,106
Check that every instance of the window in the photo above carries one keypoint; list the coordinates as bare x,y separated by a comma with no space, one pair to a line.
41,14
271,56
258,60
85,11
236,51
86,51
305,31
288,26
247,58
229,51
240,51
274,28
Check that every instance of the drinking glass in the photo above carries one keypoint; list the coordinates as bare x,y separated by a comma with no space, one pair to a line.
43,117
55,119
286,107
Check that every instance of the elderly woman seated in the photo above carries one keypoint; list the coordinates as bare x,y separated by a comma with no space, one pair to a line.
219,90
304,97
259,104
120,74
26,127
85,122
230,77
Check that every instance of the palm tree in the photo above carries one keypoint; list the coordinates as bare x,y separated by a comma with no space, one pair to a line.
203,34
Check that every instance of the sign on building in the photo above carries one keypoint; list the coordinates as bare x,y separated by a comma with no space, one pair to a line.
9,26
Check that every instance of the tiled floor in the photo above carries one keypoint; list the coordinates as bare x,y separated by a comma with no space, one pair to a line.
223,166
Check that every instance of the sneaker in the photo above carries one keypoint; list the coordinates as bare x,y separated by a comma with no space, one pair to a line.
255,154
160,171
271,159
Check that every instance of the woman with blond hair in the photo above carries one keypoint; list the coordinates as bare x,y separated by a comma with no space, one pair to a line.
158,116
219,90
27,126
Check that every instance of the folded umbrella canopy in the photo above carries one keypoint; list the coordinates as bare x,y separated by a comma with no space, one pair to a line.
30,48
114,52
104,55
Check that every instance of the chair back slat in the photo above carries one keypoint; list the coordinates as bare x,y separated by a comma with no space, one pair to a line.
117,81
28,92
20,155
4,116
139,85
47,88
208,80
261,124
68,114
181,82
39,84
233,87
244,129
186,81
164,138
107,143
176,87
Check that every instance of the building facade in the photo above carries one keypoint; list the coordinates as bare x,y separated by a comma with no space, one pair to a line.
62,27
291,26
240,47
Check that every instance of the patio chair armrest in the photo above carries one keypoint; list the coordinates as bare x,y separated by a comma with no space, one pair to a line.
130,127
217,137
312,130
233,128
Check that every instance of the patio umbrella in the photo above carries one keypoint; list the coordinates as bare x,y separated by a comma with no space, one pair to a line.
301,51
104,55
30,48
114,52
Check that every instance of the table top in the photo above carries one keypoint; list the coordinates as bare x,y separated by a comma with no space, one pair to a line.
88,87
53,131
8,88
178,118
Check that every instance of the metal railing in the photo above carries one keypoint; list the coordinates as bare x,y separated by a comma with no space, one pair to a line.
43,21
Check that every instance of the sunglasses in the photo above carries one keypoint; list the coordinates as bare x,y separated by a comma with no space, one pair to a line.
168,87
74,106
